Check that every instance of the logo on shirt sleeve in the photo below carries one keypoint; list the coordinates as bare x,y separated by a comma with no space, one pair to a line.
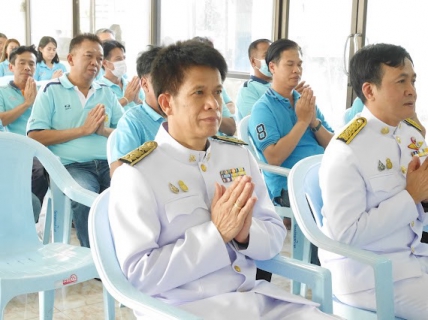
67,107
261,131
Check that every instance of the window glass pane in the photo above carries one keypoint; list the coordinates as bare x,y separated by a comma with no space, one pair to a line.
321,33
231,24
407,35
130,20
54,19
12,19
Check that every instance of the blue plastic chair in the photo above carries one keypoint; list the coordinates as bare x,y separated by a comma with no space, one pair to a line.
26,265
305,195
301,247
102,246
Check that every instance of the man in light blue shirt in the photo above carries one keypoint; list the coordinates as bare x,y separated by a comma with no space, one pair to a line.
73,116
141,123
16,100
259,82
129,93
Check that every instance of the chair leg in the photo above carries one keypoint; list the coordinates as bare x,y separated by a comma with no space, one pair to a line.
48,221
300,251
46,304
109,305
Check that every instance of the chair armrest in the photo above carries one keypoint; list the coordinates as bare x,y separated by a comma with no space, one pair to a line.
134,299
382,267
274,169
318,278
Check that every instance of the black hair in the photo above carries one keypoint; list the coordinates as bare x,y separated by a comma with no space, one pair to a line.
145,60
109,45
44,41
77,40
366,64
279,46
254,44
20,50
171,63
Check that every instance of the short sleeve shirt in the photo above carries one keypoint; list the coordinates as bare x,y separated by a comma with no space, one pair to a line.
58,107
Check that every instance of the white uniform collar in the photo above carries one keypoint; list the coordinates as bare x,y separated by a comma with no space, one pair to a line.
377,125
178,151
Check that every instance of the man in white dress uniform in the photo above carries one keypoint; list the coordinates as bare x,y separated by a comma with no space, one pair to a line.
373,179
189,218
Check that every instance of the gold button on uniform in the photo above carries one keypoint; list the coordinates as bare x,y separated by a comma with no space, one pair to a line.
398,139
412,224
403,169
237,269
203,167
384,130
412,249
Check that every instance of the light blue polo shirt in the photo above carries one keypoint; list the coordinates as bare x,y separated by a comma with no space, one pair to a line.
138,125
225,96
58,107
121,92
11,97
43,72
249,93
225,113
4,69
272,118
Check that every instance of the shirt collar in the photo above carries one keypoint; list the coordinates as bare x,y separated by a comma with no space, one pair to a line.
178,151
68,85
279,97
254,78
108,83
377,125
152,113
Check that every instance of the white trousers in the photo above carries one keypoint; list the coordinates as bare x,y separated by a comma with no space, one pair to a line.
252,306
410,298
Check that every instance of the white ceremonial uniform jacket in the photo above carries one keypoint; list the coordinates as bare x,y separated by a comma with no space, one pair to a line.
366,204
166,243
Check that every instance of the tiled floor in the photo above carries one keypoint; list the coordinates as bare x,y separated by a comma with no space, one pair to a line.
84,300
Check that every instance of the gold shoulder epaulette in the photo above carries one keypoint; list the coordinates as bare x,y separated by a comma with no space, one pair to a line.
230,140
413,124
135,156
352,130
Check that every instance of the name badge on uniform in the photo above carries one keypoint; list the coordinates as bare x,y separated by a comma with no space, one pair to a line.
231,174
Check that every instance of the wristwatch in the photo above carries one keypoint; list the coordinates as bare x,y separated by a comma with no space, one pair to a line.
317,127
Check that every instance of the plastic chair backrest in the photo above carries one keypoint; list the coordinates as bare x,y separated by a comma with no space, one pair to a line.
244,135
111,140
304,191
17,228
16,161
313,194
104,254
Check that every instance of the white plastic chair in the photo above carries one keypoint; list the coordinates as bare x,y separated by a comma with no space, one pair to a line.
111,140
102,246
26,265
301,247
305,196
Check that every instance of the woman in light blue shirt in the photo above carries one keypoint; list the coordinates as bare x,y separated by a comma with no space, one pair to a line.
48,65
10,45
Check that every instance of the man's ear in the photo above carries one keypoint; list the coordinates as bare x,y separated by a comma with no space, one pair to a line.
165,101
272,67
70,59
144,84
253,62
368,90
11,67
